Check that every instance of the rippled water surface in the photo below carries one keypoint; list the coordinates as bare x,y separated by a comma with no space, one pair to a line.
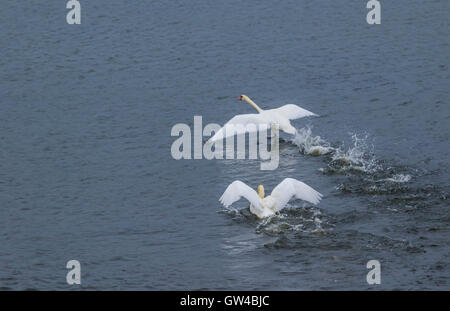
86,171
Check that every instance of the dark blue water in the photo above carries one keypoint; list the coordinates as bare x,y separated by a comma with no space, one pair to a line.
86,171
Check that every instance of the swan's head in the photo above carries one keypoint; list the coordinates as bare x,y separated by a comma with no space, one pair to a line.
261,191
243,97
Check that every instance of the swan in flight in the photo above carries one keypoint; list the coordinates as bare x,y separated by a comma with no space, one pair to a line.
267,206
273,117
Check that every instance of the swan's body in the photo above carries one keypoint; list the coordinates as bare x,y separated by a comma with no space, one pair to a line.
279,117
267,206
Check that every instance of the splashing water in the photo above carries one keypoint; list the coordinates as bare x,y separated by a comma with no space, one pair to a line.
309,144
293,218
296,219
360,156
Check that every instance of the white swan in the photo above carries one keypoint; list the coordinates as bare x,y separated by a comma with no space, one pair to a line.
269,118
267,206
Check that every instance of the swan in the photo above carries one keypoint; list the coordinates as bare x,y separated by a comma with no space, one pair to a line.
267,206
269,118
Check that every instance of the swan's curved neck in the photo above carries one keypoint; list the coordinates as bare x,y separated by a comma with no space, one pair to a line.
261,191
251,102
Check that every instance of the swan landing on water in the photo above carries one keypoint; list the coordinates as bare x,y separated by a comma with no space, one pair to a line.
269,118
267,206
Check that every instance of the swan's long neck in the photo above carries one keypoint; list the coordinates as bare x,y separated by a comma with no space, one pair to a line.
261,191
251,102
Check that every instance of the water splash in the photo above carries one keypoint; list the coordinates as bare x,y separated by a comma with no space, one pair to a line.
305,219
359,156
364,172
309,144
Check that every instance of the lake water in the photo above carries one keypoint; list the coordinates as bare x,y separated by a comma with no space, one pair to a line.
86,171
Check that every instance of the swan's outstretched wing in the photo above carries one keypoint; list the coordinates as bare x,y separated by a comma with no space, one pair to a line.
290,187
236,190
241,124
292,112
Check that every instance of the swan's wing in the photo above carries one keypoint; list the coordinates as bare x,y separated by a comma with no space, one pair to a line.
236,190
292,112
290,187
240,124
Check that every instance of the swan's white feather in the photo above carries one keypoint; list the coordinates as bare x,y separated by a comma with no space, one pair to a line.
236,190
241,124
292,112
290,187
